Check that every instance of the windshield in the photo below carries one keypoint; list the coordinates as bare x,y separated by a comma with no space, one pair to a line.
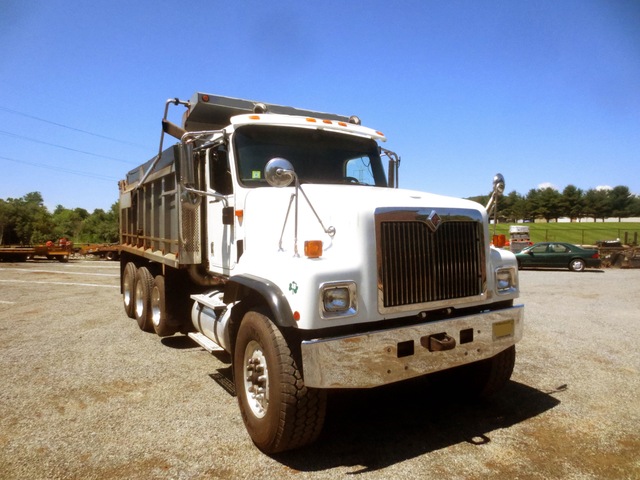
318,156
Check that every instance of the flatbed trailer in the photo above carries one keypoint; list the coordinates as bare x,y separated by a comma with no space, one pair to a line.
108,251
21,253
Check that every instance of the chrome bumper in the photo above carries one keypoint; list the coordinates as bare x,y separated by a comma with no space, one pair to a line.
387,356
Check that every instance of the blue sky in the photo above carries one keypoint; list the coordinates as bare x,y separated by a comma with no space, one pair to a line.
545,92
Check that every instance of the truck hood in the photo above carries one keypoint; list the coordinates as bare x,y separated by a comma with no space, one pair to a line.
348,209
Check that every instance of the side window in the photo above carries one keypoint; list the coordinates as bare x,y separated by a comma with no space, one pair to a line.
555,248
359,168
219,171
539,249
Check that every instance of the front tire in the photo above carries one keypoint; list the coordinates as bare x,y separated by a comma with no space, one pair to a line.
494,373
278,410
484,378
144,285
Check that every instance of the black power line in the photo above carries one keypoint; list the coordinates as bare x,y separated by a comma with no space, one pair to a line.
15,112
9,134
62,169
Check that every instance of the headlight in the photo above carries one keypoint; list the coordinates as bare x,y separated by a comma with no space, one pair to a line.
338,299
506,281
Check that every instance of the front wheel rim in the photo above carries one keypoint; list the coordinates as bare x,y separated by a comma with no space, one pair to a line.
256,379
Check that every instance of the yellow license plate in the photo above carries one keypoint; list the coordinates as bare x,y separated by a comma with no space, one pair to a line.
503,329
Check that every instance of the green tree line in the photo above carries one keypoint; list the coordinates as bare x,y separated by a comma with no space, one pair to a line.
26,221
550,204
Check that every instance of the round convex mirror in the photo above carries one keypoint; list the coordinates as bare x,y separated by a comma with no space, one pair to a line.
279,172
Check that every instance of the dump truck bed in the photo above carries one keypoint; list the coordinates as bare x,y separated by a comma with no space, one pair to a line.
213,112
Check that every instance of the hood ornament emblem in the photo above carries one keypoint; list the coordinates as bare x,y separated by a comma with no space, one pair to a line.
433,221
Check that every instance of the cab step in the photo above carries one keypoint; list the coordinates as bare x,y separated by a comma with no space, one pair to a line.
205,342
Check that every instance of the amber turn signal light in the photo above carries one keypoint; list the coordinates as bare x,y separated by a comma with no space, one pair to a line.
313,248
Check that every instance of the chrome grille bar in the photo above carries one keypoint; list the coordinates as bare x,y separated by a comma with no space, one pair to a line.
417,265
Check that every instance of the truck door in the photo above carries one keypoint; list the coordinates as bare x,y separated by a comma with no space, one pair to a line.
221,245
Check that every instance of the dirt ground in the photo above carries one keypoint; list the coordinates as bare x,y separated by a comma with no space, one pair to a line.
85,394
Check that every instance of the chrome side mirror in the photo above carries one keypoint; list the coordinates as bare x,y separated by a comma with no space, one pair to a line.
279,172
498,189
498,183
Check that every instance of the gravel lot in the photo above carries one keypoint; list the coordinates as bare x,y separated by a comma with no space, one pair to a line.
85,394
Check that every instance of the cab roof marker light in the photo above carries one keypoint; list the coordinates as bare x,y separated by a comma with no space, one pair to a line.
308,122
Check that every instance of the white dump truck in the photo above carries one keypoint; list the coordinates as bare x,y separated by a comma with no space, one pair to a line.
278,235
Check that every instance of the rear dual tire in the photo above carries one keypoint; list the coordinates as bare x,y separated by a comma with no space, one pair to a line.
128,289
161,319
142,299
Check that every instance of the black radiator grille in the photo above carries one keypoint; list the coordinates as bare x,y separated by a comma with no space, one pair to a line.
417,265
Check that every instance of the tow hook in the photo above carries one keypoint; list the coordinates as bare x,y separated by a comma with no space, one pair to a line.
438,342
